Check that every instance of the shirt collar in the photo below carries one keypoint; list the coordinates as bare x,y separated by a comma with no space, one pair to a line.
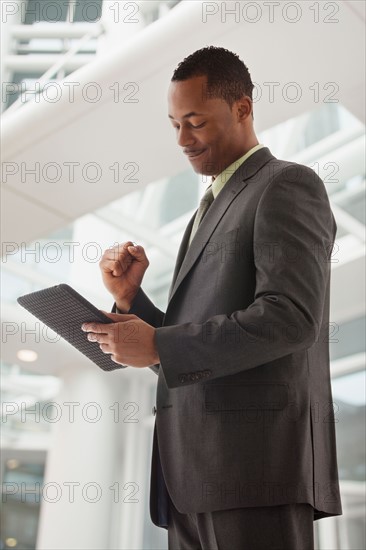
219,182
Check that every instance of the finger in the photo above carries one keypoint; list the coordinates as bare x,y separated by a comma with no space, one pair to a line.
105,348
138,252
118,361
100,338
116,255
118,252
113,261
120,246
120,317
117,267
99,328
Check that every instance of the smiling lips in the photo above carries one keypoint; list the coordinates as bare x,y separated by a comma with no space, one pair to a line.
193,154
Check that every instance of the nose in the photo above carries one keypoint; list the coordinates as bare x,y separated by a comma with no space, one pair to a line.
184,137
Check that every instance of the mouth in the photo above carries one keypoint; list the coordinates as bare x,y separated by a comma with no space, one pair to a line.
194,154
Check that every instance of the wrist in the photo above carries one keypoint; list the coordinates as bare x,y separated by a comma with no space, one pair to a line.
124,303
123,306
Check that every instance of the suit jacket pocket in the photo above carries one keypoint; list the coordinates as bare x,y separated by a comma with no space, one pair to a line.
255,396
220,242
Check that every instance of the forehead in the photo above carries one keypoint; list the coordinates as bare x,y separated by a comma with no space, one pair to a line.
190,91
190,96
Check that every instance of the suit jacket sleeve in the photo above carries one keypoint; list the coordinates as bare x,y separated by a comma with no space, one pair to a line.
294,232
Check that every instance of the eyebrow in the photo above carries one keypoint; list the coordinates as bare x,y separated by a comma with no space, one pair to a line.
192,113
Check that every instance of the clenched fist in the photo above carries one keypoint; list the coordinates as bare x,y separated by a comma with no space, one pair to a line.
123,267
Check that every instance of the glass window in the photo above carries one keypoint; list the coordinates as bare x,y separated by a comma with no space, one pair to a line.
180,196
46,10
350,404
52,11
347,339
20,510
88,11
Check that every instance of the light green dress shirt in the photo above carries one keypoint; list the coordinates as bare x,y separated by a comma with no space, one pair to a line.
219,182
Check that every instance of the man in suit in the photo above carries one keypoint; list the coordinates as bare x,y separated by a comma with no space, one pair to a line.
244,450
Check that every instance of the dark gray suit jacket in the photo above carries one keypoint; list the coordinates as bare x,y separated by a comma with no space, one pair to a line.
244,403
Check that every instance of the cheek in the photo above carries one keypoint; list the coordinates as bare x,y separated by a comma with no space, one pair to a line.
220,136
218,142
217,139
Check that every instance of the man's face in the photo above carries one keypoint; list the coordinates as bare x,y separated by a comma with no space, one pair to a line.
207,128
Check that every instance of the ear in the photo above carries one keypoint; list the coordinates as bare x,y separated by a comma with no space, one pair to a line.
244,107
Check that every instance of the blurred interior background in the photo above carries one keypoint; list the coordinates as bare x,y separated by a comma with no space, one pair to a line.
90,159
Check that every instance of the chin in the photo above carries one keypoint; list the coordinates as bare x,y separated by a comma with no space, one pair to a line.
202,172
204,169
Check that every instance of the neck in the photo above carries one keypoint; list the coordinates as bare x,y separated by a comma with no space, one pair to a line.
240,153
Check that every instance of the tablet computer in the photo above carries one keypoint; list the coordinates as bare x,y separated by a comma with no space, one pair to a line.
64,310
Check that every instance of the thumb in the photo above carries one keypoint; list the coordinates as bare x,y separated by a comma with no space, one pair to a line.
135,250
119,317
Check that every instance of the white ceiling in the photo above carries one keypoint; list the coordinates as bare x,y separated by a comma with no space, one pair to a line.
107,132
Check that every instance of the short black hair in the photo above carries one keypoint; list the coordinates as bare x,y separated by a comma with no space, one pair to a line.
228,77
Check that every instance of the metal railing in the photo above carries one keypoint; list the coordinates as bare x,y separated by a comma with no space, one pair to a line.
97,31
70,30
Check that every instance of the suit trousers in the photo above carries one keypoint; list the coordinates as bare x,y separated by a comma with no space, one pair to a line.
284,527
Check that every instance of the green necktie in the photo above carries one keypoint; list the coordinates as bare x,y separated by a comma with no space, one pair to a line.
205,204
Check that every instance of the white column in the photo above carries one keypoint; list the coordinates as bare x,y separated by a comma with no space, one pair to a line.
131,529
84,451
328,539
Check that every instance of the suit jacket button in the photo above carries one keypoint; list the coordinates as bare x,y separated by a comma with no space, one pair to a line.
154,411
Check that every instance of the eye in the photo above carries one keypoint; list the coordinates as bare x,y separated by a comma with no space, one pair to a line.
199,125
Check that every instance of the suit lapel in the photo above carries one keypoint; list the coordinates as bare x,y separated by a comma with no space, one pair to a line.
181,252
235,185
